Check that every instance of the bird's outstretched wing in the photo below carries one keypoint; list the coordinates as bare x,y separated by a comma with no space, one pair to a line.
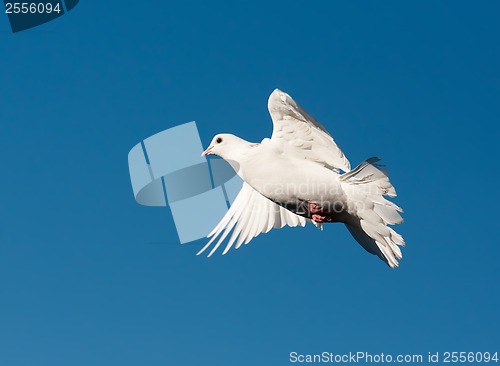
304,135
250,215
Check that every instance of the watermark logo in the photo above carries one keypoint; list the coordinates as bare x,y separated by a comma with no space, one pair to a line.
28,14
167,169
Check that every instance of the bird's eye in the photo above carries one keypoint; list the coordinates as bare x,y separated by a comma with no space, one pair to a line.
219,140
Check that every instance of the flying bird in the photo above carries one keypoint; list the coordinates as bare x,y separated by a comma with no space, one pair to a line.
300,175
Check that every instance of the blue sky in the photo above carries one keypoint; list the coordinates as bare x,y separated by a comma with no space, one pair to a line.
88,277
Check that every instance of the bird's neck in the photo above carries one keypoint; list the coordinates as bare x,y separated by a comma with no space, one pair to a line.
240,156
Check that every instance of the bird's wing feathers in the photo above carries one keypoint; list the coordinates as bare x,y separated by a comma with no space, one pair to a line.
303,133
250,215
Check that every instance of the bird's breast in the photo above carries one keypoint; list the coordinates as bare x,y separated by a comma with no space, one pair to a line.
287,180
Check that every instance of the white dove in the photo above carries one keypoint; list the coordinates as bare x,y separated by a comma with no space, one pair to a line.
301,175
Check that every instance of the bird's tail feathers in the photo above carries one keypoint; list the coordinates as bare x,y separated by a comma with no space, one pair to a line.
369,171
374,212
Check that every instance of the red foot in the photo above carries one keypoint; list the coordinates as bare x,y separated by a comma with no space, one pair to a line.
314,208
316,212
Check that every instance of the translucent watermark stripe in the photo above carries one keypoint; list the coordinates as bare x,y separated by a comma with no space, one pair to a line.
168,169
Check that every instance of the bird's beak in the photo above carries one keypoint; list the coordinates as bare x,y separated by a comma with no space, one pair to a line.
208,151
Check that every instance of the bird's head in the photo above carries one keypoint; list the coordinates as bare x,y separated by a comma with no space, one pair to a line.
226,146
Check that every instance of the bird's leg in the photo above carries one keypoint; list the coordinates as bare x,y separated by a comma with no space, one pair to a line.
317,213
